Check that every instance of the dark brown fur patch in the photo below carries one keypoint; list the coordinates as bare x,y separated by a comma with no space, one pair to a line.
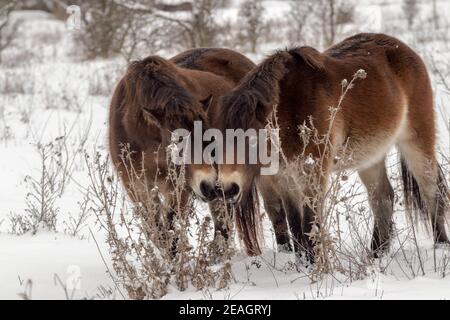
255,97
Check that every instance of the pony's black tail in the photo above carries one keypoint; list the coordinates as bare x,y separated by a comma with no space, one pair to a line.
414,200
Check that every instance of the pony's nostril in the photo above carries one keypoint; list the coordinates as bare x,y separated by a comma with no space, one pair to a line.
208,190
232,191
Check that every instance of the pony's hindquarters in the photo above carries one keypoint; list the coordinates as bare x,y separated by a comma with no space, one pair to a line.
423,181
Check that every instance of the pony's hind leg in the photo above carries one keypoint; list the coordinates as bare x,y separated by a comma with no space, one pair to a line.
381,199
424,185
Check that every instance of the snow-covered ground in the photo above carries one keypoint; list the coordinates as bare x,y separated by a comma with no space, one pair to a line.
46,93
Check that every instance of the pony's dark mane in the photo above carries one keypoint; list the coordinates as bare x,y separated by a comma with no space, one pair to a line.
255,98
152,85
258,92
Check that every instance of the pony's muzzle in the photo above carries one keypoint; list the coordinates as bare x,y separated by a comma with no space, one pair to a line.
208,190
232,193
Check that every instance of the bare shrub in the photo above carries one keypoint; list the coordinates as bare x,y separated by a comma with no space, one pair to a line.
200,28
135,29
18,224
64,98
42,211
57,161
298,174
103,80
196,27
17,82
6,133
252,22
141,245
8,27
105,26
77,221
343,227
27,289
149,35
55,7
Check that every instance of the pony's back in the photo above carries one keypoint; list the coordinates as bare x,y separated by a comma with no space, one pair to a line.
223,62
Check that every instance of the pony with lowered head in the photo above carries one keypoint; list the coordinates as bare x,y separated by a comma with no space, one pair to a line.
155,97
392,106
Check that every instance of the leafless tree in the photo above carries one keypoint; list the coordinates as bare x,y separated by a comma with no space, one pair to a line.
334,13
251,13
105,27
299,14
202,28
324,17
410,10
147,35
435,15
197,27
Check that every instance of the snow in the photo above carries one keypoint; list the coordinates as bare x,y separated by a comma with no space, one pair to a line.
58,95
42,257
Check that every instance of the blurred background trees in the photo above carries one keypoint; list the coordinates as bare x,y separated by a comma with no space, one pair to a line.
8,26
135,28
251,14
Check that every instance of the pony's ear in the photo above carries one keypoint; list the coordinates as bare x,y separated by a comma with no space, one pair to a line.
310,56
206,103
242,109
262,112
154,116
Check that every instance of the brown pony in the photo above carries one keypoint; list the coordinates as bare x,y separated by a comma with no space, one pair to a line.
393,106
155,97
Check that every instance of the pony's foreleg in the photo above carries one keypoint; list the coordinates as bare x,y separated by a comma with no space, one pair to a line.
294,217
176,207
305,209
273,205
222,216
381,199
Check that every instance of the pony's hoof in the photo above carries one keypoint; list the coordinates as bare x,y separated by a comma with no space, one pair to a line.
379,252
379,249
304,259
442,245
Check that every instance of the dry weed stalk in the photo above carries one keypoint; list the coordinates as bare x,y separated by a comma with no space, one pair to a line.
299,173
343,226
142,243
